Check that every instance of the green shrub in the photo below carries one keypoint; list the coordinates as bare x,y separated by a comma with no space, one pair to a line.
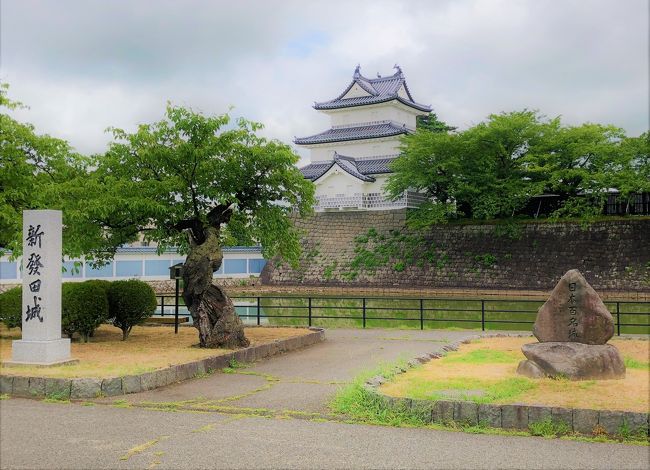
84,307
130,303
105,285
11,313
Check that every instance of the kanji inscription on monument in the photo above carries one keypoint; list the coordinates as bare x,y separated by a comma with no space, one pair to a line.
41,341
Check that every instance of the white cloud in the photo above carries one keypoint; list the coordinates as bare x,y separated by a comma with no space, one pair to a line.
85,65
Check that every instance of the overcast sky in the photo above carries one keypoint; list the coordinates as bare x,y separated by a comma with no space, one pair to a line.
83,66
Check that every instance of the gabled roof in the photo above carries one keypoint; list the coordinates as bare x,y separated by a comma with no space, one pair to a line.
355,132
359,168
380,89
349,165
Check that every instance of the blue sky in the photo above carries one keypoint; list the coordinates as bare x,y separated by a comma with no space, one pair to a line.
83,66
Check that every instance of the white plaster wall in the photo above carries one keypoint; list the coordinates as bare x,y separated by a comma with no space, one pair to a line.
402,93
356,149
390,111
378,185
337,182
355,92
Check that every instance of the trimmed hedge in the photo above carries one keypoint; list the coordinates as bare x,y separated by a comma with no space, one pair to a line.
130,303
84,308
11,303
88,304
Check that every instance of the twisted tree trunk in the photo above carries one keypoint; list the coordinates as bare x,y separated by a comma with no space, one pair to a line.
212,311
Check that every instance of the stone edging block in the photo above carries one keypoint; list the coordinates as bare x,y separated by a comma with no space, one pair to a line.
511,416
111,386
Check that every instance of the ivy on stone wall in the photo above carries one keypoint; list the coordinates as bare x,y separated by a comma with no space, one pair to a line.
374,250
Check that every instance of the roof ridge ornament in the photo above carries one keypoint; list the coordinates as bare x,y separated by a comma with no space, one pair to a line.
399,71
357,73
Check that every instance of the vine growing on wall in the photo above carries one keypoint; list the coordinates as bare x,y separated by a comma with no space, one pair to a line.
374,250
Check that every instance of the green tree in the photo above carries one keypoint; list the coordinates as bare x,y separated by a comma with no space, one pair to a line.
430,122
481,172
495,179
32,169
582,164
195,182
430,163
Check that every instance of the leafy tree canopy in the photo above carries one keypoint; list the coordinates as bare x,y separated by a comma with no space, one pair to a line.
189,172
33,168
431,123
492,169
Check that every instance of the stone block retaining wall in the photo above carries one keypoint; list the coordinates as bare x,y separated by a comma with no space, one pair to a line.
515,416
613,255
97,387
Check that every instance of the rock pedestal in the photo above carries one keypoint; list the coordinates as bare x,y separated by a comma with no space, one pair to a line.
572,327
575,361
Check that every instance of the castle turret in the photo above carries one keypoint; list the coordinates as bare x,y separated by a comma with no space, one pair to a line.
350,160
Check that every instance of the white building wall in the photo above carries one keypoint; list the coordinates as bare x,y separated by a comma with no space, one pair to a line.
337,182
355,92
356,149
383,112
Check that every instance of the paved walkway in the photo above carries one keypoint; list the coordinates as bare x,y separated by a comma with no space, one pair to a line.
304,380
35,434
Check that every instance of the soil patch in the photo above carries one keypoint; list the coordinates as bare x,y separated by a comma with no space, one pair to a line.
148,348
489,366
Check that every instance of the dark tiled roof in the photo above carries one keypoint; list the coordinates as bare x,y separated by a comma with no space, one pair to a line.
355,132
349,165
359,168
381,89
375,166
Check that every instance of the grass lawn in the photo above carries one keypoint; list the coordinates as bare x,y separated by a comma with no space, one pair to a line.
147,348
484,371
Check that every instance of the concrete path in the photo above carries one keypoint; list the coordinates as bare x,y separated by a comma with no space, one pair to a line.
305,380
35,434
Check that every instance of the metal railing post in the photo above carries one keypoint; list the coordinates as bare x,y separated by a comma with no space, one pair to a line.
421,314
162,305
364,312
482,315
618,318
309,304
176,307
258,311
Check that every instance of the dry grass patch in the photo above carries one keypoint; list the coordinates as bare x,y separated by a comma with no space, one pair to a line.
485,371
147,348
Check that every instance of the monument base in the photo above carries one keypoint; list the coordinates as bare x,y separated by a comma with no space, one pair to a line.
42,353
574,361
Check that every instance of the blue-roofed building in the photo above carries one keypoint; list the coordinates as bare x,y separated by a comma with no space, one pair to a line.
350,161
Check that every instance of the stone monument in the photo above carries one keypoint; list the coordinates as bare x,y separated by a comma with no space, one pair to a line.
573,327
41,342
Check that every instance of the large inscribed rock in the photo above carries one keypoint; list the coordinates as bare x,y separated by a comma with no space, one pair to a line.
574,312
572,326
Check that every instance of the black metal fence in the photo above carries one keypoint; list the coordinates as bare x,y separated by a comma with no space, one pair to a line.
486,314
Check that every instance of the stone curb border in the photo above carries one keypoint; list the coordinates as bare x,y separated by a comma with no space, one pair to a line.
515,416
34,387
